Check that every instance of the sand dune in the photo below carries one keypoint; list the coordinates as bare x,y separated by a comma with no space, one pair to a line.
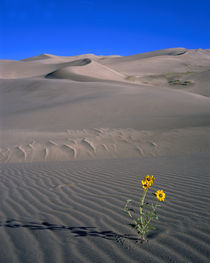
78,133
44,97
169,60
86,70
40,57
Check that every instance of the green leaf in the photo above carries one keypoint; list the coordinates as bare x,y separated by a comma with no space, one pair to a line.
126,205
139,228
151,227
153,207
139,222
125,209
138,219
147,205
154,215
129,213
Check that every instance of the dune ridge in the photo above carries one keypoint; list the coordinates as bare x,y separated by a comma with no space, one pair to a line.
86,70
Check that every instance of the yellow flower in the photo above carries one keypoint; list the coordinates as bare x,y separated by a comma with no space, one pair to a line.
152,178
160,195
145,184
149,179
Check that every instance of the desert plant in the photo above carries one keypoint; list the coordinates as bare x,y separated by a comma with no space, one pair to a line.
179,82
147,212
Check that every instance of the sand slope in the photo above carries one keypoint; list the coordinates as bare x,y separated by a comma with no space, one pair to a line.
104,106
86,70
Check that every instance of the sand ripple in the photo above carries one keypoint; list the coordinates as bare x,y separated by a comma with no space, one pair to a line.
71,211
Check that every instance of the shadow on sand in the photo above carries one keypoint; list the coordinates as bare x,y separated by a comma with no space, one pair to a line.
79,231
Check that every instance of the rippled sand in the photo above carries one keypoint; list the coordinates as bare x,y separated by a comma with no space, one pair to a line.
72,211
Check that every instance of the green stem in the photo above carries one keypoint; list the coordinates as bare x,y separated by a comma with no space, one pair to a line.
151,217
141,205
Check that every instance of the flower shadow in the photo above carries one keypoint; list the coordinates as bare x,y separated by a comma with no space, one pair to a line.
77,231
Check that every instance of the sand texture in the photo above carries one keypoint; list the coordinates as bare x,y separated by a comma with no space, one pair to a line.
72,211
77,134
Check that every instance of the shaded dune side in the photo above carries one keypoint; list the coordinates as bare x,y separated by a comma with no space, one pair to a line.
82,69
21,69
86,70
36,68
53,212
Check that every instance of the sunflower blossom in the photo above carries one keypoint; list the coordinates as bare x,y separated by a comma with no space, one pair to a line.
145,184
152,179
160,195
149,179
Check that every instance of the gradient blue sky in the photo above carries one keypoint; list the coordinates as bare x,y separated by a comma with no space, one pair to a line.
124,27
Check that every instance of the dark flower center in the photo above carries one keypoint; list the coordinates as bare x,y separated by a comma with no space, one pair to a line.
160,195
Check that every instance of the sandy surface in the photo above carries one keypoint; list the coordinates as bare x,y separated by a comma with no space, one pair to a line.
77,134
72,211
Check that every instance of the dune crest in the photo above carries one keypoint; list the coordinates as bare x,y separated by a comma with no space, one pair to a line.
86,70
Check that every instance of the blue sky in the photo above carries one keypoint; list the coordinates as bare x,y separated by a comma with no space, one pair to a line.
124,27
